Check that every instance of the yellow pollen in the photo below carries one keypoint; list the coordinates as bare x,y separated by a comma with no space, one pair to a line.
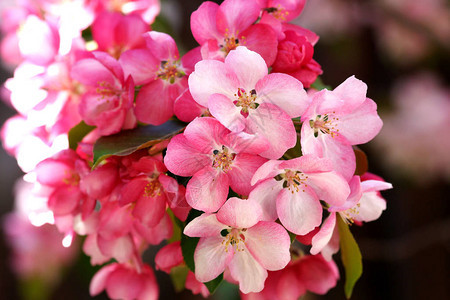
325,124
105,89
246,101
236,239
153,188
71,178
348,215
170,71
223,159
231,42
294,180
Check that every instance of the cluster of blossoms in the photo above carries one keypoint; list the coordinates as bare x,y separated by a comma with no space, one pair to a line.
259,175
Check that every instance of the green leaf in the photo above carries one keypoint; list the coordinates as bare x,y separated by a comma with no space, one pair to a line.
178,275
351,257
319,85
129,141
188,244
77,133
292,236
214,284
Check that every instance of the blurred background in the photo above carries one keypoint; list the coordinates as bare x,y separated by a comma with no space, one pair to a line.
400,48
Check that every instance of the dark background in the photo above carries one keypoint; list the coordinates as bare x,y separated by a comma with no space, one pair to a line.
405,252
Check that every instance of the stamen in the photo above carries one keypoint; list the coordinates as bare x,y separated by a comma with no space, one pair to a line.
325,124
170,71
223,159
246,101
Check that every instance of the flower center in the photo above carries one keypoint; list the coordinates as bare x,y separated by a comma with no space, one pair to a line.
105,89
231,42
234,238
71,178
278,12
223,159
325,124
293,180
152,188
349,214
245,101
170,71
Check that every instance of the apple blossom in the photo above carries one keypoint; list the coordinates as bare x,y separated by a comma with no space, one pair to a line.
237,238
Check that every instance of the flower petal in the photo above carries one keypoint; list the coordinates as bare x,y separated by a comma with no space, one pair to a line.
266,193
205,225
247,271
269,243
300,212
210,258
239,213
208,189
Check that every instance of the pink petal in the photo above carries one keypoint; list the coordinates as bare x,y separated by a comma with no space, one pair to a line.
352,92
267,170
318,274
124,283
262,39
362,125
121,248
242,170
206,134
266,193
211,77
186,109
274,124
210,258
183,159
329,186
52,172
243,142
322,238
155,235
150,290
284,91
162,46
189,60
91,249
64,200
370,207
207,190
235,16
269,243
288,285
155,94
353,198
205,225
375,185
168,257
91,72
247,271
239,213
203,22
100,182
300,212
150,209
223,109
98,282
131,62
248,66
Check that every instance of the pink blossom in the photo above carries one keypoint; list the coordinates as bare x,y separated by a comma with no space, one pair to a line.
122,281
186,109
282,10
146,9
364,204
338,119
162,76
116,33
294,57
306,273
217,159
220,29
290,190
237,239
243,97
108,100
